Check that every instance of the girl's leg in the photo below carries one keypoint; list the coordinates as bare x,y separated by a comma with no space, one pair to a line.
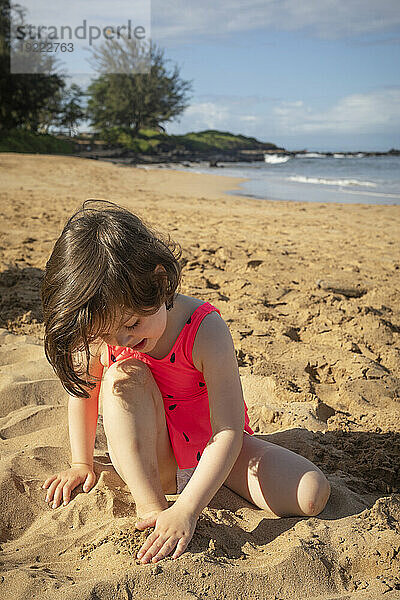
137,435
277,479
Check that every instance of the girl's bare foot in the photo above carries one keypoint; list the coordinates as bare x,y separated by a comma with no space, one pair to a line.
145,515
149,510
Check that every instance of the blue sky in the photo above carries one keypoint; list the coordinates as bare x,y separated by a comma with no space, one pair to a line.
315,74
320,74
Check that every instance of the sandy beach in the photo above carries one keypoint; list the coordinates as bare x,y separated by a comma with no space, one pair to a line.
311,295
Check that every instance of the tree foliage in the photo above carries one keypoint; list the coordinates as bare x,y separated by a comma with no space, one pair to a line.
64,110
134,100
33,101
71,112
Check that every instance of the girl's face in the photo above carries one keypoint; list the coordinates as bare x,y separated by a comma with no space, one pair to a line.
140,331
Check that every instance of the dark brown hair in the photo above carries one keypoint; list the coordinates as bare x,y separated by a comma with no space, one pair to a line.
102,263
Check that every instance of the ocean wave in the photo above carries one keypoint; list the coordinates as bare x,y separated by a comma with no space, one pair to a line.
322,181
311,155
335,155
274,159
340,155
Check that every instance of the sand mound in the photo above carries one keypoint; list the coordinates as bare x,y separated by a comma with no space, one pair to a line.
88,548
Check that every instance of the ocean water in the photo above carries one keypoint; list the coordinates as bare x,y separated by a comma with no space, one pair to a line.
316,177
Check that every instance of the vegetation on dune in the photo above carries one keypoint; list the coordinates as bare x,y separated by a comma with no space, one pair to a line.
19,140
150,141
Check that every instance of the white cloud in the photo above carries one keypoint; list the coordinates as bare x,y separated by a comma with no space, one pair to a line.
182,19
206,115
374,113
295,104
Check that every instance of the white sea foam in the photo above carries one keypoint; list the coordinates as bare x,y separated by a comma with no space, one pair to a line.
311,155
274,159
340,155
335,155
322,181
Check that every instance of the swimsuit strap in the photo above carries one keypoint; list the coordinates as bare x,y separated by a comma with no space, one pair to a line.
192,325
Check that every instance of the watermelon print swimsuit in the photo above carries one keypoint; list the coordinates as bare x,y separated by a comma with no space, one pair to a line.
183,390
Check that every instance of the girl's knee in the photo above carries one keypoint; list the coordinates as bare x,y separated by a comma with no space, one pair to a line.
313,493
126,374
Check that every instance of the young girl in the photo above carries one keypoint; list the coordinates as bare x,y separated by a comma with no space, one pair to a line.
164,368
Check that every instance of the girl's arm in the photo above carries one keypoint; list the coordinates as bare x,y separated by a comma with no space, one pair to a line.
215,348
83,413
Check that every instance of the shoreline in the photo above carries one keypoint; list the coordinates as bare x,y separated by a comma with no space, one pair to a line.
239,180
231,188
158,167
334,192
381,198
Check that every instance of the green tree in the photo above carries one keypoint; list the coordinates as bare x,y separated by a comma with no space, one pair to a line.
134,100
23,97
72,112
63,110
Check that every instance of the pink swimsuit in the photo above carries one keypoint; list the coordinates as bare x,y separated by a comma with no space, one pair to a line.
183,390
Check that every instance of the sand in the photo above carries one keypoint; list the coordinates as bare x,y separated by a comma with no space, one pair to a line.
311,295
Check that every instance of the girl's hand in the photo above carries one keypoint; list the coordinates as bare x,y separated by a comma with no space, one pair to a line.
173,528
62,484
